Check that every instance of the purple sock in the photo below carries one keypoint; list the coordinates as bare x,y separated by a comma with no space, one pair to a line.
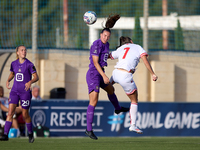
7,127
29,127
113,99
90,116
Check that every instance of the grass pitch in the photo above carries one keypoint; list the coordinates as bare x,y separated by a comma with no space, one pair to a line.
104,143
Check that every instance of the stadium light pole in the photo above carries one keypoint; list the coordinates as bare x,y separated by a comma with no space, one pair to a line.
145,46
65,20
164,32
34,30
145,30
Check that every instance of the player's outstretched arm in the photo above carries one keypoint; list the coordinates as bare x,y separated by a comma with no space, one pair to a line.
109,56
148,66
10,77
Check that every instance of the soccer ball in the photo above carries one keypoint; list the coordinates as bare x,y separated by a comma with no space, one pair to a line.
90,17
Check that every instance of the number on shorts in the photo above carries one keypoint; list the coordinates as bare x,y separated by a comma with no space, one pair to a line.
25,102
126,51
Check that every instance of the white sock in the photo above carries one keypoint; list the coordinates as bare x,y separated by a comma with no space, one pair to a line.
18,132
133,113
2,122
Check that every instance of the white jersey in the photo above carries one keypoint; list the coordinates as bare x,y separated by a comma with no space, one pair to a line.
128,56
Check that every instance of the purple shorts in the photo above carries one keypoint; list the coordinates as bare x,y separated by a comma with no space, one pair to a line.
24,97
94,81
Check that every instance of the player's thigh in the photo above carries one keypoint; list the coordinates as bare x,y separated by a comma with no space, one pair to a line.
133,96
14,98
11,109
127,83
129,87
109,89
115,76
25,98
93,81
119,76
93,96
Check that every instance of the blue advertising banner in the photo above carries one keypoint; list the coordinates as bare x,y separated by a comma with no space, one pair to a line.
68,118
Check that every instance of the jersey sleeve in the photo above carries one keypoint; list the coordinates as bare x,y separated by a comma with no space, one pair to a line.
95,49
32,68
11,67
142,52
113,55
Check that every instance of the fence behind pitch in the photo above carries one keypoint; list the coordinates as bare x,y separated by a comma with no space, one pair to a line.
61,25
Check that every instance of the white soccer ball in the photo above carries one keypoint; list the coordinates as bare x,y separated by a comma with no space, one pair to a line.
90,17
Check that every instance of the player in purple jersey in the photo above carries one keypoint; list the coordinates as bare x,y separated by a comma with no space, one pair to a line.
96,76
22,70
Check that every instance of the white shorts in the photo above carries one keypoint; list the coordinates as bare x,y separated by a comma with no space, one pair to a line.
125,79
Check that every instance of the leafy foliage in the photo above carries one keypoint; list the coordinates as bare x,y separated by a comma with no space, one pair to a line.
138,33
16,20
179,43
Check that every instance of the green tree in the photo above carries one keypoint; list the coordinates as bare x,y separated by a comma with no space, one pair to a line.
79,39
138,33
126,8
179,43
18,39
17,15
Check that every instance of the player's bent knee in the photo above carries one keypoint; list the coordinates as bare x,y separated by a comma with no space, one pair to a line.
25,114
110,89
10,114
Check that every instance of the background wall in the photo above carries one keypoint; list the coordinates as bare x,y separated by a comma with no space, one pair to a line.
177,72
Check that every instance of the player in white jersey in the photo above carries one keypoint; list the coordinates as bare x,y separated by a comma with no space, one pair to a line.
128,55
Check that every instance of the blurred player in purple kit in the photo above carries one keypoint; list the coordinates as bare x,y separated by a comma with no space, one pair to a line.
128,55
22,70
5,103
96,77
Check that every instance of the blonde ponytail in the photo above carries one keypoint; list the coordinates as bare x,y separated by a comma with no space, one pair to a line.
16,50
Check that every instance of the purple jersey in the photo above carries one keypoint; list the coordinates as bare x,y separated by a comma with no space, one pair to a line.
23,74
101,50
93,78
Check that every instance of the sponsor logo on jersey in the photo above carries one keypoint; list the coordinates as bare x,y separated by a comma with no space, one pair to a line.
19,77
105,57
95,51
